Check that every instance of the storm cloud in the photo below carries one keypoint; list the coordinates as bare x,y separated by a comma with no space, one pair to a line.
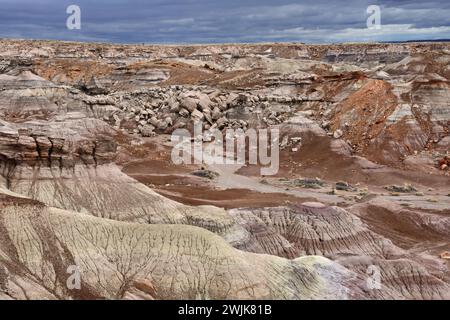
211,21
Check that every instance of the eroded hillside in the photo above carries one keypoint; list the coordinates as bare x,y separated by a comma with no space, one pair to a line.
86,177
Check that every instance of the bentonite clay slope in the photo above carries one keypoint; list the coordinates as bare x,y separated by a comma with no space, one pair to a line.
315,229
124,260
369,114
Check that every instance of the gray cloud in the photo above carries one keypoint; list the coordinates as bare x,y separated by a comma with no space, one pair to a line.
208,21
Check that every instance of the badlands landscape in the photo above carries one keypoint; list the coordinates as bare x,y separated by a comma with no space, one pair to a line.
358,209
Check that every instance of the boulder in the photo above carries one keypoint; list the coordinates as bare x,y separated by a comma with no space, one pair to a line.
175,107
197,115
204,102
183,112
147,130
189,104
337,134
216,113
221,122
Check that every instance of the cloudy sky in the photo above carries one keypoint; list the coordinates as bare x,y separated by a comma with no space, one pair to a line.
214,21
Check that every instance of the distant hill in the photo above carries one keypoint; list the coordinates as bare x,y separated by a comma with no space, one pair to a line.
408,41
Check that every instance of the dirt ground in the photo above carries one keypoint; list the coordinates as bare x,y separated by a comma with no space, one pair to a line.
177,183
315,158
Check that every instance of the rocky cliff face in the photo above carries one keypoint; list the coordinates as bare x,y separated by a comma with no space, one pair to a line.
72,114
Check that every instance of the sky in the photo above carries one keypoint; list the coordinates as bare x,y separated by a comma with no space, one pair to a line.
225,21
